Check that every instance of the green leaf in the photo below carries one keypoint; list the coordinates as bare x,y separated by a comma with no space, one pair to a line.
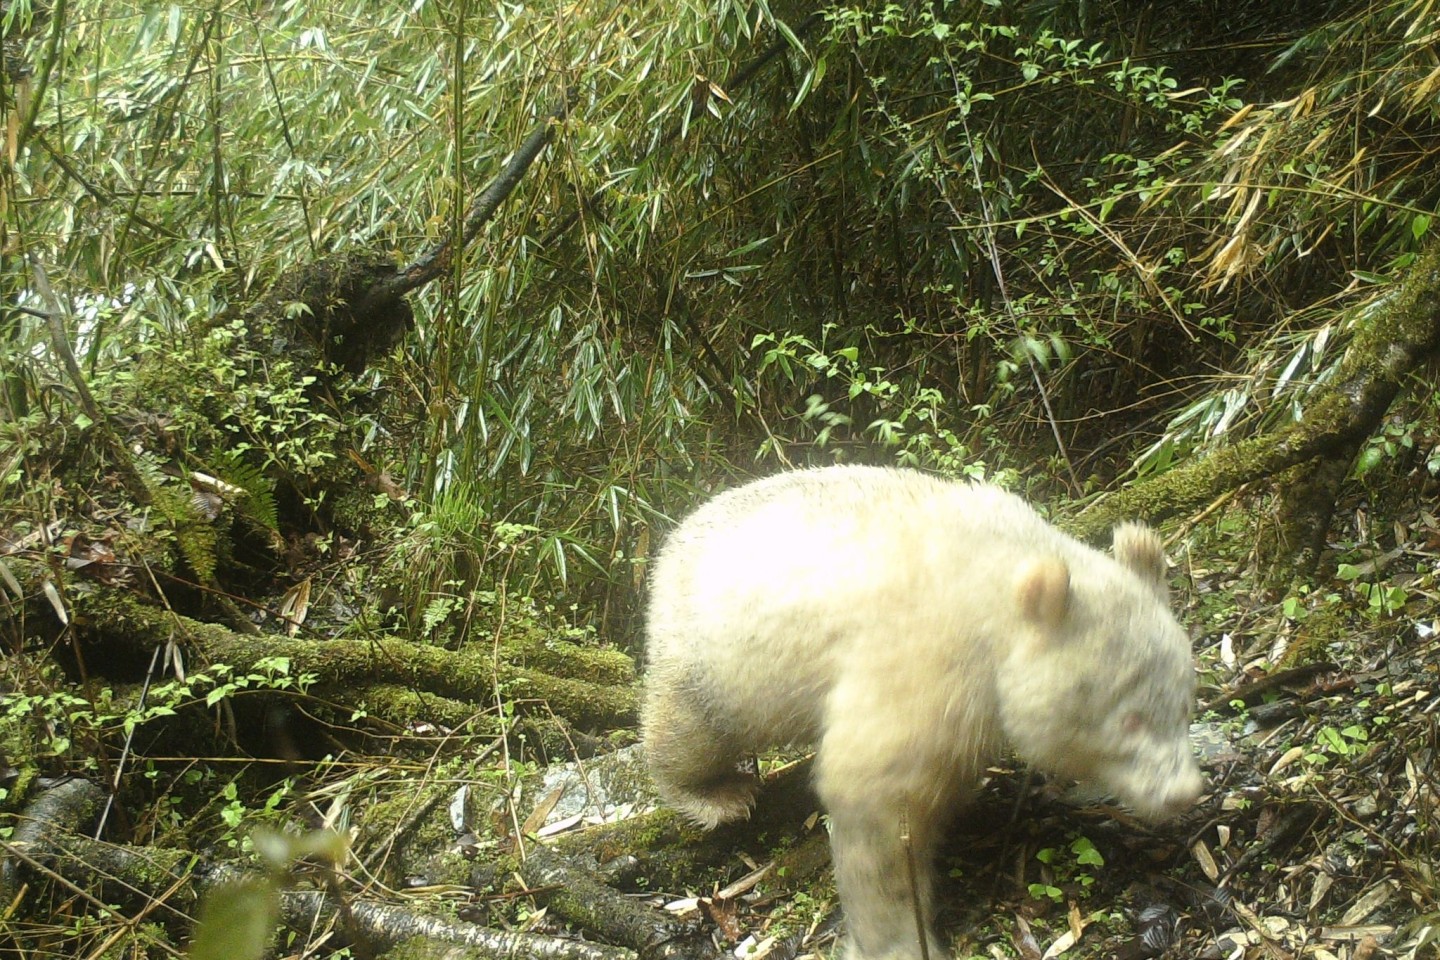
1086,853
1369,459
237,921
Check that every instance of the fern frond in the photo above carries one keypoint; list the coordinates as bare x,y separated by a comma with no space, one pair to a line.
198,544
258,503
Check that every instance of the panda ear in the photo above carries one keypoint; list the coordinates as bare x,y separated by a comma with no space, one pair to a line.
1138,548
1043,592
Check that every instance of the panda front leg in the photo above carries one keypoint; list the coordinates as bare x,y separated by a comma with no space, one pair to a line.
888,805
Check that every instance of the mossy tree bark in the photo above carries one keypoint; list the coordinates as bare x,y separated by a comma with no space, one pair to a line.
1388,344
348,670
397,682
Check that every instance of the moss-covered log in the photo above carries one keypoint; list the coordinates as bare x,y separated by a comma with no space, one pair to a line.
175,880
672,854
343,667
580,897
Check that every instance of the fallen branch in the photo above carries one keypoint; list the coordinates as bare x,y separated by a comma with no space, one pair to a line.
671,853
63,808
578,896
180,879
433,262
345,666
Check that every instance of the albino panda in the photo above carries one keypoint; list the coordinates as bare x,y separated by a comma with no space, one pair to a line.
911,628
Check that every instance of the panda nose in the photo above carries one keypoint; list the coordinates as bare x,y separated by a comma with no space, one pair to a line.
1184,790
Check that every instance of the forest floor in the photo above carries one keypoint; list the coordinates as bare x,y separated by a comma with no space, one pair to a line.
480,791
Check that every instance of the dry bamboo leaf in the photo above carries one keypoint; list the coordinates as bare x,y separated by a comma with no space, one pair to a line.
1424,90
1304,103
1229,261
1227,651
53,596
536,820
1356,932
1062,943
1258,155
1206,860
752,949
1318,890
1422,14
1024,940
686,908
295,606
1373,899
1070,937
1317,141
560,826
1252,208
1287,758
1237,140
1237,117
11,582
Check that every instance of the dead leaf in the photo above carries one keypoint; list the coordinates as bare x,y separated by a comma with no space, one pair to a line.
53,596
295,605
1203,857
1373,899
1024,940
536,820
725,914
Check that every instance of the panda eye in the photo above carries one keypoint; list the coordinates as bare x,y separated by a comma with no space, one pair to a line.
1132,722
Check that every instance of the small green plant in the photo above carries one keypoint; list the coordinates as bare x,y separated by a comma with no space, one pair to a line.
1071,865
1396,438
909,419
1338,742
59,724
1382,600
1041,891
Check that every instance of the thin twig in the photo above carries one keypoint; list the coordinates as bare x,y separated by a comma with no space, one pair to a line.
433,262
1146,274
125,750
992,251
914,878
